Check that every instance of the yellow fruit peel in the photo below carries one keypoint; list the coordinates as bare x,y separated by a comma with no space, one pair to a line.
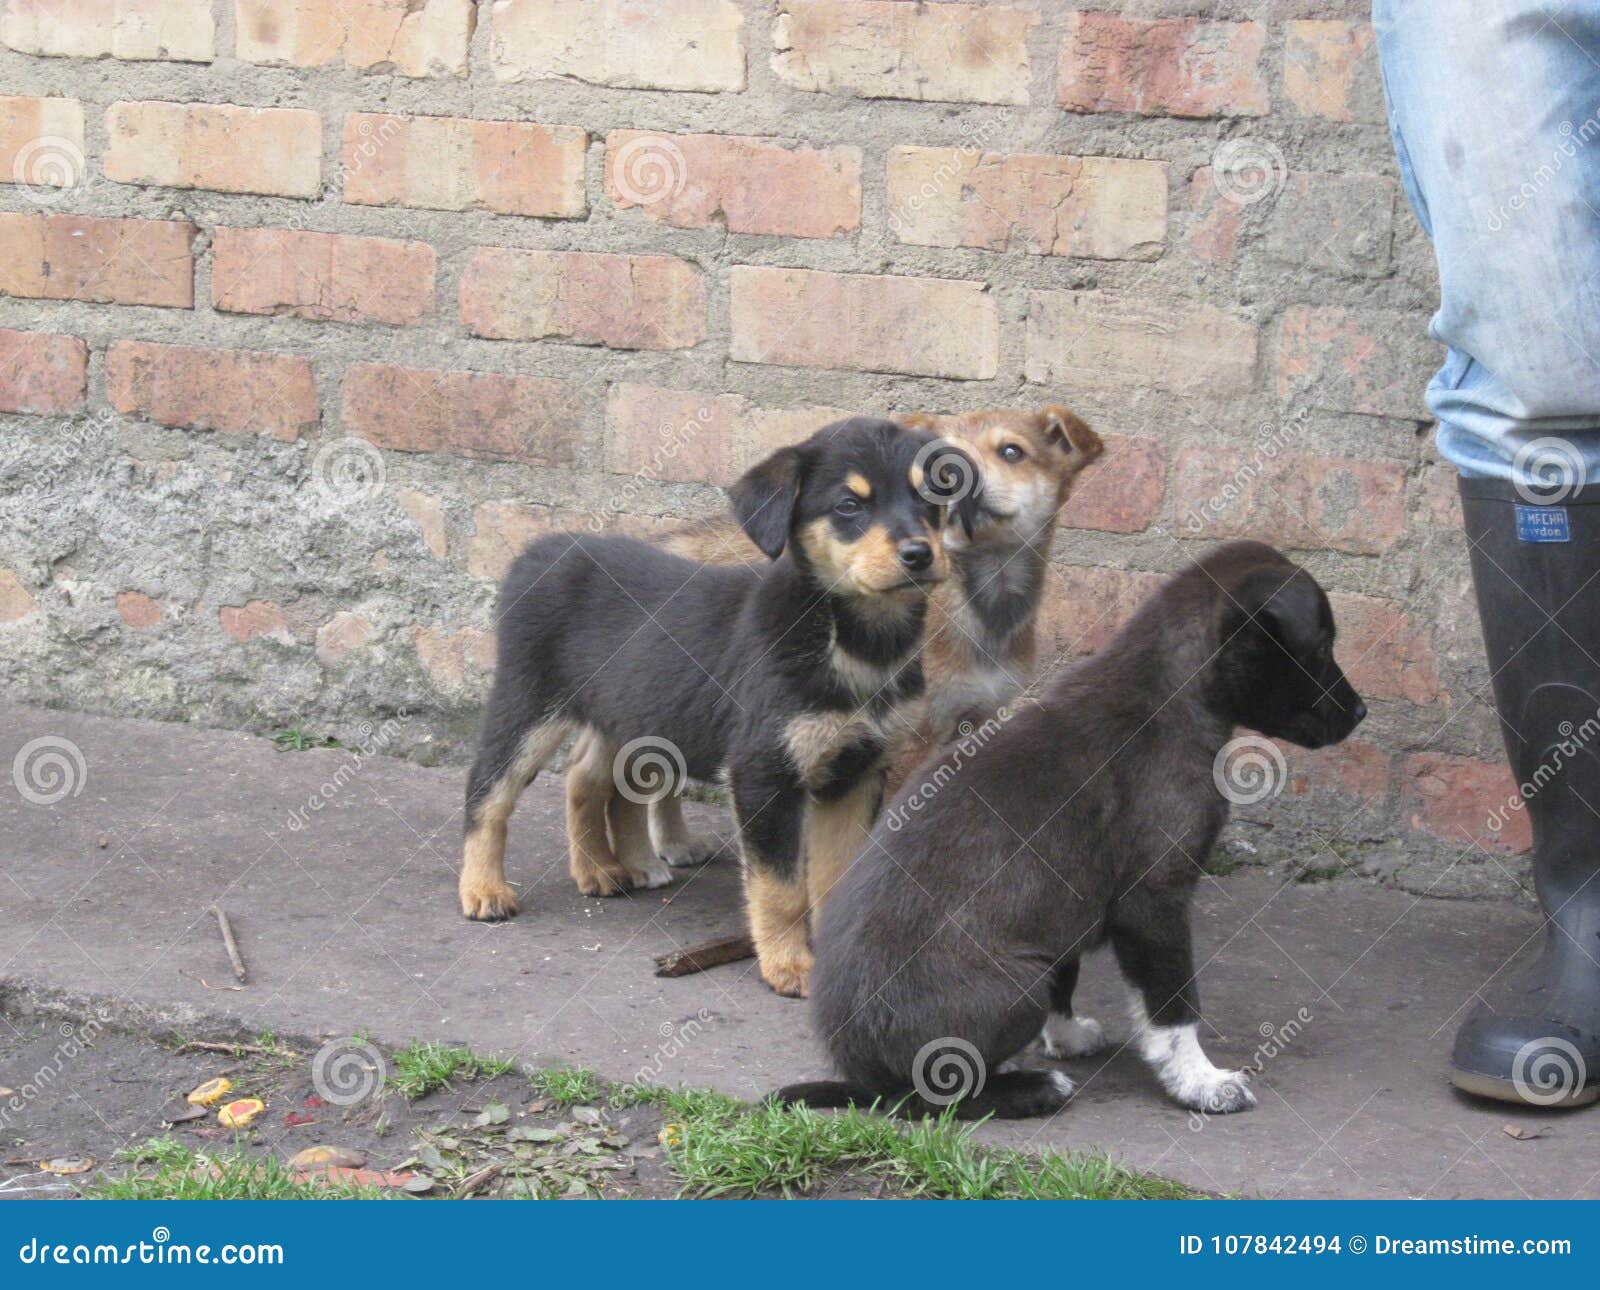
212,1091
238,1114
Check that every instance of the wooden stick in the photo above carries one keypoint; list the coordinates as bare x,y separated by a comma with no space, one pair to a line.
231,945
698,958
206,1046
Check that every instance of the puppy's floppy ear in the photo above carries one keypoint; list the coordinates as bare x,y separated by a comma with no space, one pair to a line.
764,499
1068,433
1280,602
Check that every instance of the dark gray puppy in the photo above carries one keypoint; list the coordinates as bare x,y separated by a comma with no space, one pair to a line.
954,939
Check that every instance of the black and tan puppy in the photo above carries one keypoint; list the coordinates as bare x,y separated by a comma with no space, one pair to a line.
978,650
955,937
789,675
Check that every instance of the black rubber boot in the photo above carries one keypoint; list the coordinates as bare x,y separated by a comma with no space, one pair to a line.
1536,568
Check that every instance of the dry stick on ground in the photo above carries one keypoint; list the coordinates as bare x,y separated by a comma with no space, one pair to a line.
231,945
206,1046
697,958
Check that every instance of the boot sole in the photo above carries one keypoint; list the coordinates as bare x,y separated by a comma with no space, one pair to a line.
1504,1090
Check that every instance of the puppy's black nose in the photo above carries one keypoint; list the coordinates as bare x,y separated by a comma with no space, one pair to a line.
916,555
1358,713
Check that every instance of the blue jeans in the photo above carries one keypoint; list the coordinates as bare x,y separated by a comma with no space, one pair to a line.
1494,106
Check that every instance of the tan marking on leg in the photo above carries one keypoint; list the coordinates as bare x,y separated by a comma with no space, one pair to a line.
673,840
590,859
836,833
630,839
777,912
483,889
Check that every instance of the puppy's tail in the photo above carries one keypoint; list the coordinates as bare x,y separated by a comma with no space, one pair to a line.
1011,1095
824,1095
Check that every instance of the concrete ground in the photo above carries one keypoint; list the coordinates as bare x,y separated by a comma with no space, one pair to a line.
1345,994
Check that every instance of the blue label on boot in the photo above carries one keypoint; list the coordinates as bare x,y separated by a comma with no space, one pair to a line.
1542,524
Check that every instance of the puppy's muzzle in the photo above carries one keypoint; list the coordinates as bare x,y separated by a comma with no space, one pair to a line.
915,556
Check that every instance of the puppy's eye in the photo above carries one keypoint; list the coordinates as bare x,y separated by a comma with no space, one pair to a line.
1012,452
847,505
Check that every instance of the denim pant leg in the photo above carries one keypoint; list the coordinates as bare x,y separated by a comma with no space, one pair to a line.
1494,106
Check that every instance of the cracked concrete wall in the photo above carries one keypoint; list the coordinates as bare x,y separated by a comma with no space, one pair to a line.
291,370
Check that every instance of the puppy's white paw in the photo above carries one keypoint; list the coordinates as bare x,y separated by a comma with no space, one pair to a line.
1062,1084
696,849
1072,1036
646,874
1183,1068
1219,1092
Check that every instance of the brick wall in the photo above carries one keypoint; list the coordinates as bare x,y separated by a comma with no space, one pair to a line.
313,311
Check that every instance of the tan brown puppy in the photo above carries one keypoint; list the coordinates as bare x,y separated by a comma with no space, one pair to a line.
979,650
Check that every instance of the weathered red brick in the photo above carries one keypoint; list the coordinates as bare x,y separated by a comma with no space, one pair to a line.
748,185
1463,801
1123,493
471,414
41,142
639,44
1356,360
107,261
1265,492
1330,69
275,151
255,618
232,390
1100,207
42,373
501,531
880,49
1355,768
1383,651
181,30
1090,338
16,602
341,636
456,661
1169,67
688,437
321,275
411,37
1085,606
863,322
1215,221
622,301
427,512
456,164
139,611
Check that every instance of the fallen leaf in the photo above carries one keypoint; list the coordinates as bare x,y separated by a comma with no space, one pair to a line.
313,1103
293,1119
586,1114
1522,1134
418,1183
210,1092
67,1165
494,1113
238,1114
533,1133
326,1158
181,1110
6,1092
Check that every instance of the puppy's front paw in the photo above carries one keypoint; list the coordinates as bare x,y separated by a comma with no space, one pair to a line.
591,880
696,849
1072,1036
649,874
1217,1093
488,902
789,977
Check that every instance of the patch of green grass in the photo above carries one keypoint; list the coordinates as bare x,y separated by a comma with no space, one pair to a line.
294,739
422,1068
181,1174
723,1148
570,1085
1319,873
1221,862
